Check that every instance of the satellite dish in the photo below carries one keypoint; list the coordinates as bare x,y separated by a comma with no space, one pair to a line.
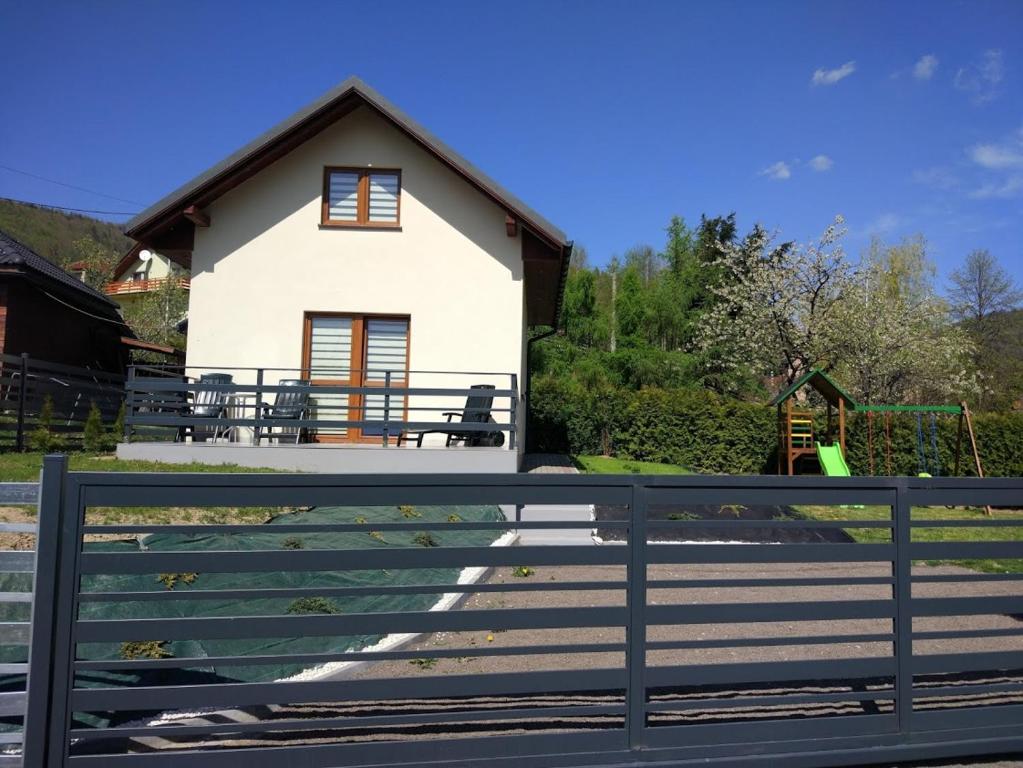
145,254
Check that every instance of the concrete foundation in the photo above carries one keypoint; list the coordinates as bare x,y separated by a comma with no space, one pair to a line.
337,459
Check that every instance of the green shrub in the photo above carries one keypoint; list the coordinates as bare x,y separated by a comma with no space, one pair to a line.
313,605
93,434
712,434
409,512
293,542
117,429
42,438
522,571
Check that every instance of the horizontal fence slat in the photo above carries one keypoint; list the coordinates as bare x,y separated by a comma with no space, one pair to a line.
114,630
13,703
17,561
259,561
242,694
19,493
771,672
14,632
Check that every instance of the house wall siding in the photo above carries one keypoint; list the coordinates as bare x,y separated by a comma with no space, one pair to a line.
451,267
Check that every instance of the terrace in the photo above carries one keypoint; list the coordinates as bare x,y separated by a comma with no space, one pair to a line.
126,287
324,420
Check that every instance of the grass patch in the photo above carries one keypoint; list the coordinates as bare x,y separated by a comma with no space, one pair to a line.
608,465
883,536
24,467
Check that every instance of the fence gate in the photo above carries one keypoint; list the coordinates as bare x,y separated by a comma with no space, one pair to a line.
231,621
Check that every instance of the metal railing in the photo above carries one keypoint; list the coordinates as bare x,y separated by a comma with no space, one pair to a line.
385,407
26,384
882,666
122,287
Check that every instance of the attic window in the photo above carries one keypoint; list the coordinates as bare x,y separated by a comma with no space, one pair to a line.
360,197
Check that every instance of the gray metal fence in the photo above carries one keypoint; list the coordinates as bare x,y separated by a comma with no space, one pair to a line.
16,568
855,651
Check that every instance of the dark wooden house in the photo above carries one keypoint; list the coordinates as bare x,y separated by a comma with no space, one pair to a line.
52,315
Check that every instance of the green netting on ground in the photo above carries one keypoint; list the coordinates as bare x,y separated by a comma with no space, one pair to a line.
268,540
371,538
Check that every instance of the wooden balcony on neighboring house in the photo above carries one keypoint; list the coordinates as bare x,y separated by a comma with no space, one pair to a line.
122,287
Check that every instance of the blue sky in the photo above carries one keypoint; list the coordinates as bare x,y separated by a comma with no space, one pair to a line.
607,117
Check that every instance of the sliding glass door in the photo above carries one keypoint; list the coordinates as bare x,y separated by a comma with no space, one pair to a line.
358,351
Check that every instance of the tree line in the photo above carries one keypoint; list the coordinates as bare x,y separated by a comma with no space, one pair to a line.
744,314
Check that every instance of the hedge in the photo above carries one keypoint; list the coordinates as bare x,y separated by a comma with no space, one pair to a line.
708,433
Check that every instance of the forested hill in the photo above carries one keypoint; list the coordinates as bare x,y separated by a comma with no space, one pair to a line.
52,233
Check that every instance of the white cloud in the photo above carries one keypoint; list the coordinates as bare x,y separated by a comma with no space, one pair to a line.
982,78
937,177
1008,188
821,163
998,156
884,223
924,69
779,171
832,76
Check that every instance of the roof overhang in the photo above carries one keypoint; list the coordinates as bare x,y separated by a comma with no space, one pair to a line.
821,382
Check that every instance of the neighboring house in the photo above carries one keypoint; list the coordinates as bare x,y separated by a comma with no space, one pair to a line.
50,315
347,245
142,271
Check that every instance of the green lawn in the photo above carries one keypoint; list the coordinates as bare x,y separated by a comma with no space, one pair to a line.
24,467
605,465
883,535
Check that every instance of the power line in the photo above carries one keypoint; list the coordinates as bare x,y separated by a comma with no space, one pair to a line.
65,208
69,186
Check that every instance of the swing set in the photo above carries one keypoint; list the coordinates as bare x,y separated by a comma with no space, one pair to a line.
799,435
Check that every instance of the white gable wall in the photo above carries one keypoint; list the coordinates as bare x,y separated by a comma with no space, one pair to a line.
265,261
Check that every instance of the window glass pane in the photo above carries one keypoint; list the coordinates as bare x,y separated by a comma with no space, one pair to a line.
330,348
386,349
343,200
383,197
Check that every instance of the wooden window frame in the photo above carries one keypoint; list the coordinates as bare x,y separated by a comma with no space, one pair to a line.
359,344
362,199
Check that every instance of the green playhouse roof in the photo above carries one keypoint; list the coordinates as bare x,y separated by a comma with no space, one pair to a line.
820,381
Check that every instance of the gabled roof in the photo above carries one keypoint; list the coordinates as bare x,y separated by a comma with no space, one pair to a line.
15,254
307,122
820,381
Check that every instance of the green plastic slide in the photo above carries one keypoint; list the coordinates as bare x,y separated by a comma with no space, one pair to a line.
832,461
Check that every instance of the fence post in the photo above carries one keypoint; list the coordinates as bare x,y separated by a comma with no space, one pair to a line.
44,588
635,630
513,415
22,390
387,406
259,410
129,403
903,609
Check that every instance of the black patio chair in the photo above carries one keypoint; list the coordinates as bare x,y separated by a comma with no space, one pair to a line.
476,411
288,404
208,406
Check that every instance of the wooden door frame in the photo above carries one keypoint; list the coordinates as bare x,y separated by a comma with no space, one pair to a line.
358,357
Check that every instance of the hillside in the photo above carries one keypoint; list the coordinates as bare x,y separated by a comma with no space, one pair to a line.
51,233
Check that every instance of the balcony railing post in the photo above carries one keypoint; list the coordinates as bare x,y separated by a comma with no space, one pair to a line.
22,391
129,403
258,415
513,411
387,406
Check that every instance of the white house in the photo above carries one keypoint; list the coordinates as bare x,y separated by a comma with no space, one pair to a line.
350,248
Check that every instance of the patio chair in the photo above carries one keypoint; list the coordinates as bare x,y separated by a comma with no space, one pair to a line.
208,406
476,411
288,404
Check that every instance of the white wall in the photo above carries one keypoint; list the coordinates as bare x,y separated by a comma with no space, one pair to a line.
265,261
